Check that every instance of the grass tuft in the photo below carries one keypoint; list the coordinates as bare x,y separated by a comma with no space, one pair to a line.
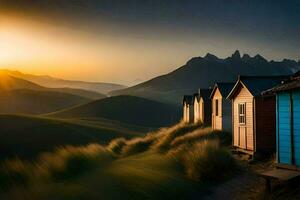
168,135
14,172
69,162
117,145
205,160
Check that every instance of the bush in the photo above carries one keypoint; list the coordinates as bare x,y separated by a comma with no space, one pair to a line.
205,160
117,145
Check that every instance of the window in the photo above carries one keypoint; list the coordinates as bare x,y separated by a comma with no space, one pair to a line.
242,113
217,107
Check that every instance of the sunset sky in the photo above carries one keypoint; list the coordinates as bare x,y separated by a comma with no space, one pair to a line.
129,41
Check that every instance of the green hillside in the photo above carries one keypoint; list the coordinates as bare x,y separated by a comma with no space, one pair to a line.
127,109
27,136
22,96
37,102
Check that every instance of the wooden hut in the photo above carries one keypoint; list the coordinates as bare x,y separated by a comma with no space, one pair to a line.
188,109
202,107
253,116
221,107
198,117
288,122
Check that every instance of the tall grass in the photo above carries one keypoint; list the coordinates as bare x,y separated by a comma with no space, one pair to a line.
202,134
68,162
14,172
198,151
63,164
164,142
117,145
205,160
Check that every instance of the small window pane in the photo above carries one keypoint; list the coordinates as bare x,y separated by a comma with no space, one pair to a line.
242,113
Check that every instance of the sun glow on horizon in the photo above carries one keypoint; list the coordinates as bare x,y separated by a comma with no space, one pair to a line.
44,48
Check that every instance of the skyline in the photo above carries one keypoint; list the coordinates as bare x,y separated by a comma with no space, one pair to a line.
127,43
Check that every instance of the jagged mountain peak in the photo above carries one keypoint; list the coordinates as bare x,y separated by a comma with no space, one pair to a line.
260,58
210,56
236,55
246,57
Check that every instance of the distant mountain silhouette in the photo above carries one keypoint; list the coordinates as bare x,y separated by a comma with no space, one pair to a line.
126,109
202,72
21,96
50,82
9,82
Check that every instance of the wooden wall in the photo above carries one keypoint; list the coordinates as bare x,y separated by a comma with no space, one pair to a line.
226,115
207,112
265,121
217,120
288,128
196,111
243,136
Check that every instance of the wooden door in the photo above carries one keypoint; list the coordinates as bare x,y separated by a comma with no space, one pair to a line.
242,137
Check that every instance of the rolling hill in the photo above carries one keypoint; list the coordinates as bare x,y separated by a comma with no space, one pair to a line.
22,96
27,136
37,102
50,82
127,109
202,72
10,82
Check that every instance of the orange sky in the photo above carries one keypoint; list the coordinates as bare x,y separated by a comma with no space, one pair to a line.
42,48
101,50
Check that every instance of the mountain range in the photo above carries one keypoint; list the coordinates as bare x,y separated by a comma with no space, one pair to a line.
202,72
21,96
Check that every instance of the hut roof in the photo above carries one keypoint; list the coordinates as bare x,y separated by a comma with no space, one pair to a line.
256,84
189,99
224,89
289,84
205,94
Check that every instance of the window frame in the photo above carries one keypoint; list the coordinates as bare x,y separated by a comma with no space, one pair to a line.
242,113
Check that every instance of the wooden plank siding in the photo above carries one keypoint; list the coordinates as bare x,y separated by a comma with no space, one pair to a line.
265,123
226,115
243,134
197,113
217,120
207,112
296,126
284,129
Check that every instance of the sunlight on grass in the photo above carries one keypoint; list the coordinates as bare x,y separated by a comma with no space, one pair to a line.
166,164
